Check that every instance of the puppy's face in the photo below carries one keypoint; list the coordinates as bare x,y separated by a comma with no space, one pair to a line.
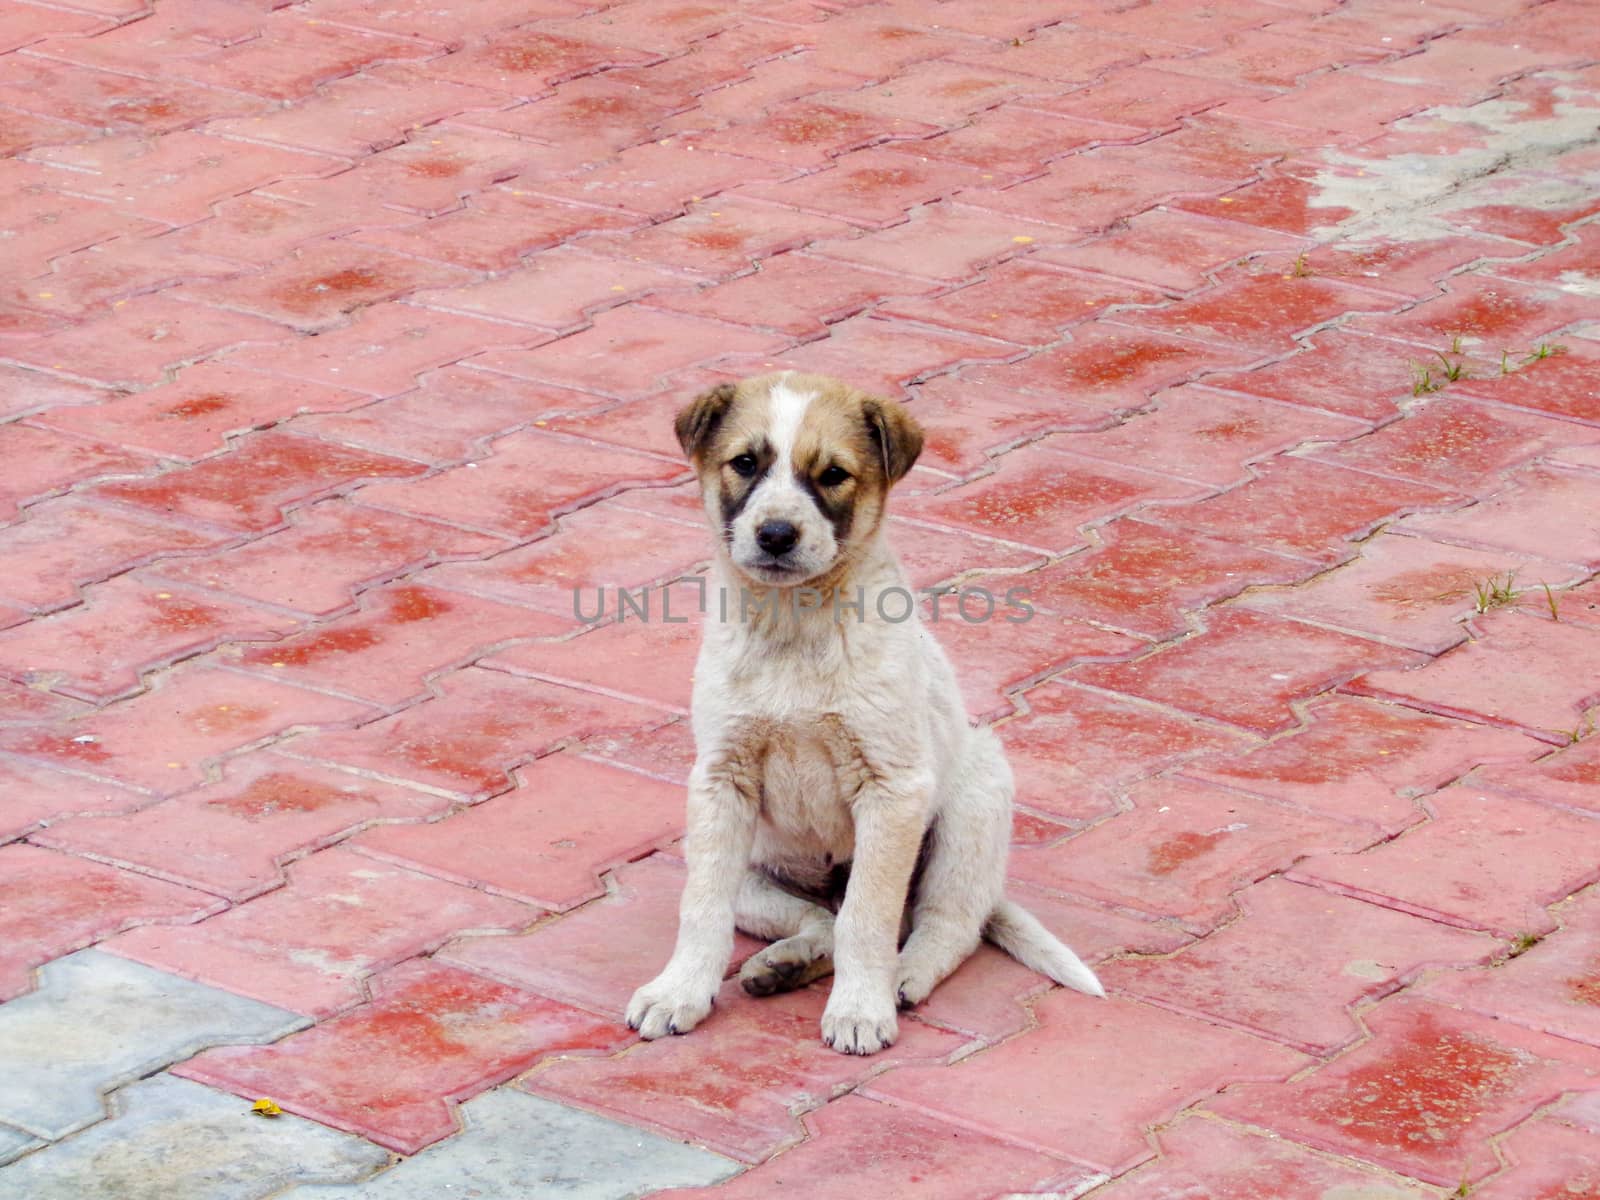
794,470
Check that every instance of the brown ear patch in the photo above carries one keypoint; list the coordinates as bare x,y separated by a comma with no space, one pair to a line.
697,423
896,434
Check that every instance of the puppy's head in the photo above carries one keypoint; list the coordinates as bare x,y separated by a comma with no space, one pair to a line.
795,469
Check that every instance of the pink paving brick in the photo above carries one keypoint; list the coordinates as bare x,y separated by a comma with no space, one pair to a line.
945,93
61,545
466,741
1172,250
451,415
1022,302
1553,986
526,482
31,794
361,114
855,1142
163,739
526,62
249,489
1329,107
417,18
1487,861
259,229
1296,963
874,43
945,241
1458,444
384,348
558,289
1262,312
547,841
1411,270
310,945
1143,579
1040,497
599,548
328,553
1405,591
135,346
873,188
58,903
45,463
1302,507
1356,760
1556,385
1063,52
29,24
1073,750
596,956
1100,1127
1424,1095
1109,365
626,352
594,112
237,833
1549,1161
1210,1158
932,555
876,355
319,287
126,627
740,1081
23,391
966,422
795,294
1082,193
401,638
41,224
1486,314
1565,777
1182,851
1146,96
83,283
1338,372
176,178
663,752
392,1069
716,237
105,99
1246,669
1196,434
658,179
1523,673
23,131
804,133
193,416
1018,141
1286,202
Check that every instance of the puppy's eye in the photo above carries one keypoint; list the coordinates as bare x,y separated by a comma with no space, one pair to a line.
744,464
833,477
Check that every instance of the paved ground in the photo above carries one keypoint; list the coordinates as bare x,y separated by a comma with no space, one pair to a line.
1259,341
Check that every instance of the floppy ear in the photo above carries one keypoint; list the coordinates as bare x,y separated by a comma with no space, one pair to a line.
698,422
897,434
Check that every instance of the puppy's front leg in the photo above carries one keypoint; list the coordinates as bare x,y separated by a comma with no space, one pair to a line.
722,821
889,816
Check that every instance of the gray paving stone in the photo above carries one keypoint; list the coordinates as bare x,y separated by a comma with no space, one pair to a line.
13,1142
173,1139
519,1146
97,1021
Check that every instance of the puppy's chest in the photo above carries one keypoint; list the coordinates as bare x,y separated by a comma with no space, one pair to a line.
810,774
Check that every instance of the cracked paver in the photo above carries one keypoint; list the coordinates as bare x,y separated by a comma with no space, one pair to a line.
339,347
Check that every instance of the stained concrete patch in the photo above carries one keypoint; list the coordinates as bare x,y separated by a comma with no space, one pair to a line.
1404,197
97,1021
173,1139
517,1145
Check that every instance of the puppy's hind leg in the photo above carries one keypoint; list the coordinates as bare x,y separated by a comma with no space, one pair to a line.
801,933
963,877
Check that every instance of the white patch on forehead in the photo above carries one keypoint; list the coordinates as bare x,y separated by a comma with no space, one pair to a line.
788,414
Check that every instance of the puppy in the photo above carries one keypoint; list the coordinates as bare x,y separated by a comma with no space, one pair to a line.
832,743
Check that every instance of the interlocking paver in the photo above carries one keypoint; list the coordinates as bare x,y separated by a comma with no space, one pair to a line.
311,945
1424,1095
510,1138
96,1022
442,1035
170,1137
341,345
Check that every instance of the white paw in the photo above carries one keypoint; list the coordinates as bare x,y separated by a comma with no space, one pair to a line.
860,1028
658,1009
913,986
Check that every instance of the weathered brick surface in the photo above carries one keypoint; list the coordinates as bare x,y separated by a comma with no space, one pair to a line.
340,344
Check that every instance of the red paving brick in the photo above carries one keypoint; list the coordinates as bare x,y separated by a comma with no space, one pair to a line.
348,337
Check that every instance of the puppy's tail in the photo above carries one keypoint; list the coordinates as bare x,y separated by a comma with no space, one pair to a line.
1018,932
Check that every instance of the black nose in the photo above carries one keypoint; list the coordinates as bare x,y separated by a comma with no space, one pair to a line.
777,537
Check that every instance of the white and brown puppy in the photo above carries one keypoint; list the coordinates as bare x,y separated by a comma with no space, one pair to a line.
831,738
